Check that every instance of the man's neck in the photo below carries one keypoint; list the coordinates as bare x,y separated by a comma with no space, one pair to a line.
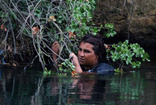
90,67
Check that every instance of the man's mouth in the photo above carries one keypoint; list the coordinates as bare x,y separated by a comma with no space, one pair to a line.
81,60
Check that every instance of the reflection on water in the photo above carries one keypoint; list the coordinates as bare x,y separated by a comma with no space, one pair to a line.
19,87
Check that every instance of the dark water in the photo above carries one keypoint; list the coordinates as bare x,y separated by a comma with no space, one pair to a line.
29,87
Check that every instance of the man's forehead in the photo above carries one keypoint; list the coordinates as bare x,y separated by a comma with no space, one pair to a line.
85,45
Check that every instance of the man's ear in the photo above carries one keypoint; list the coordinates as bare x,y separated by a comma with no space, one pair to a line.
97,57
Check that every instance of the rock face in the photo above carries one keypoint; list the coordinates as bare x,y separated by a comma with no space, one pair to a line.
133,19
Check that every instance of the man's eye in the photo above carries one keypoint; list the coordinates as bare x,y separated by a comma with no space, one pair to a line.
86,51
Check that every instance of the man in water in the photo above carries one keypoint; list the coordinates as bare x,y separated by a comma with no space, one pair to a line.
91,55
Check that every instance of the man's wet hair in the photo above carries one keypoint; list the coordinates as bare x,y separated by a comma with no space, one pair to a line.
98,45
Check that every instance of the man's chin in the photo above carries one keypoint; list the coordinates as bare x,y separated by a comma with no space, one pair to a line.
82,64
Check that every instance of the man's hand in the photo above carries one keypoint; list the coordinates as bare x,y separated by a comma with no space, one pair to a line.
56,48
76,63
74,59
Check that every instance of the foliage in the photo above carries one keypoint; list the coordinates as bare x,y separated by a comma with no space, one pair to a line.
65,21
127,53
81,13
110,30
47,72
66,67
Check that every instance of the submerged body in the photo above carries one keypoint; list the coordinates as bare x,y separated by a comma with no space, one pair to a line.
102,68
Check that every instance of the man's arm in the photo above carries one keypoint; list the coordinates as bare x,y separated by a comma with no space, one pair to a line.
56,48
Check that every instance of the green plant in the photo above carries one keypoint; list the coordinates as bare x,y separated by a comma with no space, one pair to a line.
66,67
81,16
46,72
127,54
110,30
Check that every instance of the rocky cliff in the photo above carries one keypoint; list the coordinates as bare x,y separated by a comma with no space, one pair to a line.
133,19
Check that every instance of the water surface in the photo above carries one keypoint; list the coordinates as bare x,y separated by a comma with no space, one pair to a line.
30,87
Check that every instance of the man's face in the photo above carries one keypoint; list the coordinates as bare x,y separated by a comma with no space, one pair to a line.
87,55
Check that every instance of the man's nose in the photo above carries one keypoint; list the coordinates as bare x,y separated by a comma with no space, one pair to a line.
81,53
